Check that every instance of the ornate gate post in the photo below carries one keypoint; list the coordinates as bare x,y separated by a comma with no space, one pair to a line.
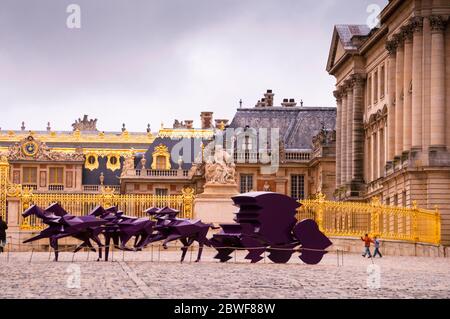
108,196
320,210
188,202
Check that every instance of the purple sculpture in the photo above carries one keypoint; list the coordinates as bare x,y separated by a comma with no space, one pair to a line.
121,228
170,228
61,225
266,222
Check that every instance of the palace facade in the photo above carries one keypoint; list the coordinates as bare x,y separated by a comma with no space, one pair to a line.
393,101
86,159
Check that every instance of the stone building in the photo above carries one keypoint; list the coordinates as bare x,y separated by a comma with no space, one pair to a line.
306,151
85,159
393,101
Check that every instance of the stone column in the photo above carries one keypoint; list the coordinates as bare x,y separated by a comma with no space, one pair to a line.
344,137
426,85
349,128
399,97
416,114
338,96
391,47
407,94
358,130
437,81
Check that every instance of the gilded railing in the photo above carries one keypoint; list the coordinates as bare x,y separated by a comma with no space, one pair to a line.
4,178
349,219
82,204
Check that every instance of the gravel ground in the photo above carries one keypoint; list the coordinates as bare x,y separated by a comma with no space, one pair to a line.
135,275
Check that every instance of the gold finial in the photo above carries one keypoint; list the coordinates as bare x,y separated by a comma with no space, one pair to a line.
375,201
320,197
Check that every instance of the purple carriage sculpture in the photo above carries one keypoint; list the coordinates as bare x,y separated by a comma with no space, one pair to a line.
170,228
61,224
266,222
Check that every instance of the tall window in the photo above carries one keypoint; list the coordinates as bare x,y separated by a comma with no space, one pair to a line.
56,176
161,163
382,81
30,175
369,91
375,86
246,183
161,191
298,186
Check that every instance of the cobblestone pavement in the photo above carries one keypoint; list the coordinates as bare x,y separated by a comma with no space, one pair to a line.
134,275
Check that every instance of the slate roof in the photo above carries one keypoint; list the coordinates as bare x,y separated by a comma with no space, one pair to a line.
347,31
298,125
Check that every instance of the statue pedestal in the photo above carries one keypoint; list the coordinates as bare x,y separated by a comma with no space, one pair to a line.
215,205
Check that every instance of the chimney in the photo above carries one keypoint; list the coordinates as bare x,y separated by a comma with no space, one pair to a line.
206,119
189,124
289,103
269,98
221,124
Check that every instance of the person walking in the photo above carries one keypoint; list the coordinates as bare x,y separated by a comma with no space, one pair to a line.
377,247
3,228
367,241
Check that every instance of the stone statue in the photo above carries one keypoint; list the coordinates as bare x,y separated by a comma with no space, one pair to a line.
219,168
102,179
128,166
85,124
266,186
143,163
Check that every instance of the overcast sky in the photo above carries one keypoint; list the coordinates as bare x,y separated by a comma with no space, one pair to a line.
148,61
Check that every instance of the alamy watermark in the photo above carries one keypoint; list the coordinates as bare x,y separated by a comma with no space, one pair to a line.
74,278
373,276
73,21
244,145
373,20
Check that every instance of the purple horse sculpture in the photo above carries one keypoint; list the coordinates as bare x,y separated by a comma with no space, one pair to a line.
121,228
266,222
170,228
61,225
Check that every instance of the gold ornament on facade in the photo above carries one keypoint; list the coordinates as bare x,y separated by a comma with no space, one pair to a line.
91,162
31,149
161,150
113,162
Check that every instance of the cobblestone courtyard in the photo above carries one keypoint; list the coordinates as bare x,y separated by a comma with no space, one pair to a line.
134,275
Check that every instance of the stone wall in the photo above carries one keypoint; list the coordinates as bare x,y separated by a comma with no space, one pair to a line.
391,248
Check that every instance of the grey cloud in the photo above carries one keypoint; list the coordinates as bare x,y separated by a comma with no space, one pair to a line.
143,62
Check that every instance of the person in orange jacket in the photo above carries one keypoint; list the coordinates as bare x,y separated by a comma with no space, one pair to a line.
367,241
